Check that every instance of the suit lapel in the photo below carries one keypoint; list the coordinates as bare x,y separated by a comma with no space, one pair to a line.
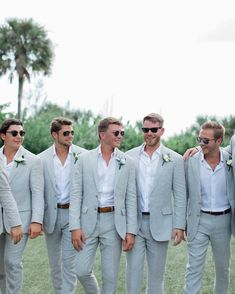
159,169
136,158
73,160
94,163
50,166
194,166
118,168
229,176
17,168
196,170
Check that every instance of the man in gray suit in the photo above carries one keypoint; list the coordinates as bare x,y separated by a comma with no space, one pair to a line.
58,162
12,223
8,211
210,215
161,207
103,208
25,174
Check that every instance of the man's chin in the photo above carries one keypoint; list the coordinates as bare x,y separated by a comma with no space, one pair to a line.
68,144
152,143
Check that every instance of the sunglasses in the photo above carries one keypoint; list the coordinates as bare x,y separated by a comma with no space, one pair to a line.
67,133
153,130
204,140
116,133
15,133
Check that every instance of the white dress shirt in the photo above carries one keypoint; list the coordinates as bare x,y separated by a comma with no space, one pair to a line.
8,167
106,178
213,186
147,171
62,176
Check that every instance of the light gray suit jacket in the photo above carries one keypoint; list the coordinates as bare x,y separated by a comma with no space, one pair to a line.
84,195
192,170
167,202
232,149
26,183
50,213
7,201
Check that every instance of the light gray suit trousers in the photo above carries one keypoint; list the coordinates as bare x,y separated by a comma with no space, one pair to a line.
167,207
26,183
61,253
203,229
11,216
106,230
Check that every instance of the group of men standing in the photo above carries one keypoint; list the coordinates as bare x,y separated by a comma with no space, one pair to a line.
135,201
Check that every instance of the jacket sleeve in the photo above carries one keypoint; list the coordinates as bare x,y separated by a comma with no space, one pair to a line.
7,201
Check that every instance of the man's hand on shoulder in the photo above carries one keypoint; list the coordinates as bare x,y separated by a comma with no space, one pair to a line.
190,152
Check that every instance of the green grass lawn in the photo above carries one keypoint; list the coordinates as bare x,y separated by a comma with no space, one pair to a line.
37,277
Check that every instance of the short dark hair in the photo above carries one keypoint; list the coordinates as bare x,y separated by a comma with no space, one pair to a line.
9,122
217,127
154,117
58,122
106,122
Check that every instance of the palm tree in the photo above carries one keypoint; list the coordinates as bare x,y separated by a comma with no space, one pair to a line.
24,49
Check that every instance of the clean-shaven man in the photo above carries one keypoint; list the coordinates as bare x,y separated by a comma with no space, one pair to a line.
161,207
25,174
210,215
58,163
103,208
12,222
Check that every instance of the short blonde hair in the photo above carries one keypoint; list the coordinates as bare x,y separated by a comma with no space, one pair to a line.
154,117
217,127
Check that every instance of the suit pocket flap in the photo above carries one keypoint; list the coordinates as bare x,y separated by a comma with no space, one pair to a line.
166,211
84,209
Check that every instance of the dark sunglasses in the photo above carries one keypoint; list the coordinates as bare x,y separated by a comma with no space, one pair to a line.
204,140
153,130
116,133
15,133
67,133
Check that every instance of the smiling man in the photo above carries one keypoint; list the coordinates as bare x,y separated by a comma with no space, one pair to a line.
210,214
103,208
58,163
161,207
25,174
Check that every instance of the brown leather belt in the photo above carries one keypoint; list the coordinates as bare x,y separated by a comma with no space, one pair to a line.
63,205
217,212
105,209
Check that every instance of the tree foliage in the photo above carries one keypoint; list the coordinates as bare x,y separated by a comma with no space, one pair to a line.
24,49
38,137
180,143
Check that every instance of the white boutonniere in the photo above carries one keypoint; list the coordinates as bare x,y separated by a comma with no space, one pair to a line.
20,160
229,163
75,155
121,161
166,158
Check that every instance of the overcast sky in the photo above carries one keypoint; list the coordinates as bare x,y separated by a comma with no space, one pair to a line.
129,58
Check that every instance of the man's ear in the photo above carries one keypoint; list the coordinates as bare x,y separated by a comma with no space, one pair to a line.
54,135
2,136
